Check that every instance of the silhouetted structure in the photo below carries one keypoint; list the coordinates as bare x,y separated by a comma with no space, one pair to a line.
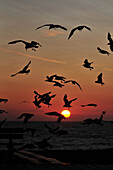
3,100
68,102
110,42
87,64
99,79
74,82
60,117
25,70
103,51
26,116
52,26
90,104
33,44
80,28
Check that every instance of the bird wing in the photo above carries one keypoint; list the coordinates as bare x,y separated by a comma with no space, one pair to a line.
88,28
16,41
59,26
86,61
36,43
72,32
72,100
65,98
21,116
47,126
74,82
100,77
25,68
98,49
109,37
43,26
67,81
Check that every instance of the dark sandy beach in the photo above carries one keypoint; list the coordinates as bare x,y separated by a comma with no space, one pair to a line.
79,160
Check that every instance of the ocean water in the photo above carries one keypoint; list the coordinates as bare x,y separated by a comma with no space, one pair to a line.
79,136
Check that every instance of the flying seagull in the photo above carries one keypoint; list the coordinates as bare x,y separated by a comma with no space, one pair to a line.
80,28
74,82
24,70
59,78
56,83
3,100
32,44
99,79
110,42
60,117
103,51
51,26
50,78
90,104
26,116
87,64
68,102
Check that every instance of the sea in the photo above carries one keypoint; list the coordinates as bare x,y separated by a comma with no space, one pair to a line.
68,135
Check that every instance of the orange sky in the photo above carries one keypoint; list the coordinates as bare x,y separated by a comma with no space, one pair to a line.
58,55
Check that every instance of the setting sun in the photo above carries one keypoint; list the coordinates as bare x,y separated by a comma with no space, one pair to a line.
66,113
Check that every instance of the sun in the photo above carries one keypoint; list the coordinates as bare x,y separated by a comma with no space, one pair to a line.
66,113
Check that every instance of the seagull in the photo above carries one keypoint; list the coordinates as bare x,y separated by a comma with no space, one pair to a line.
3,111
110,42
3,100
74,82
59,78
38,102
60,117
68,102
56,83
80,28
87,64
50,78
103,51
47,100
90,104
24,70
32,44
99,79
51,26
42,95
26,116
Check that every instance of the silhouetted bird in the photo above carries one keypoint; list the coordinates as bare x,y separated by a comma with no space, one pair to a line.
26,116
42,95
87,64
90,104
50,78
80,28
110,42
44,143
51,26
3,100
3,111
47,100
68,102
60,117
74,82
52,131
2,122
38,102
59,78
24,70
103,51
56,83
32,44
99,79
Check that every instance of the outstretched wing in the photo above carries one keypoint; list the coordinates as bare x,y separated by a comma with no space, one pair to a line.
16,41
72,100
74,82
98,49
100,77
43,26
109,37
21,116
88,28
72,32
65,99
25,68
53,113
36,43
59,26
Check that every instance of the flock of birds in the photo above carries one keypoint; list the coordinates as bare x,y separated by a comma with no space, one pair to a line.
58,81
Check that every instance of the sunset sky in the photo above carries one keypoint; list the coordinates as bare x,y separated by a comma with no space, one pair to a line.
58,55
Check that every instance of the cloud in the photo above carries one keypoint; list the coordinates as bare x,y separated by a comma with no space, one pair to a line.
52,33
30,56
